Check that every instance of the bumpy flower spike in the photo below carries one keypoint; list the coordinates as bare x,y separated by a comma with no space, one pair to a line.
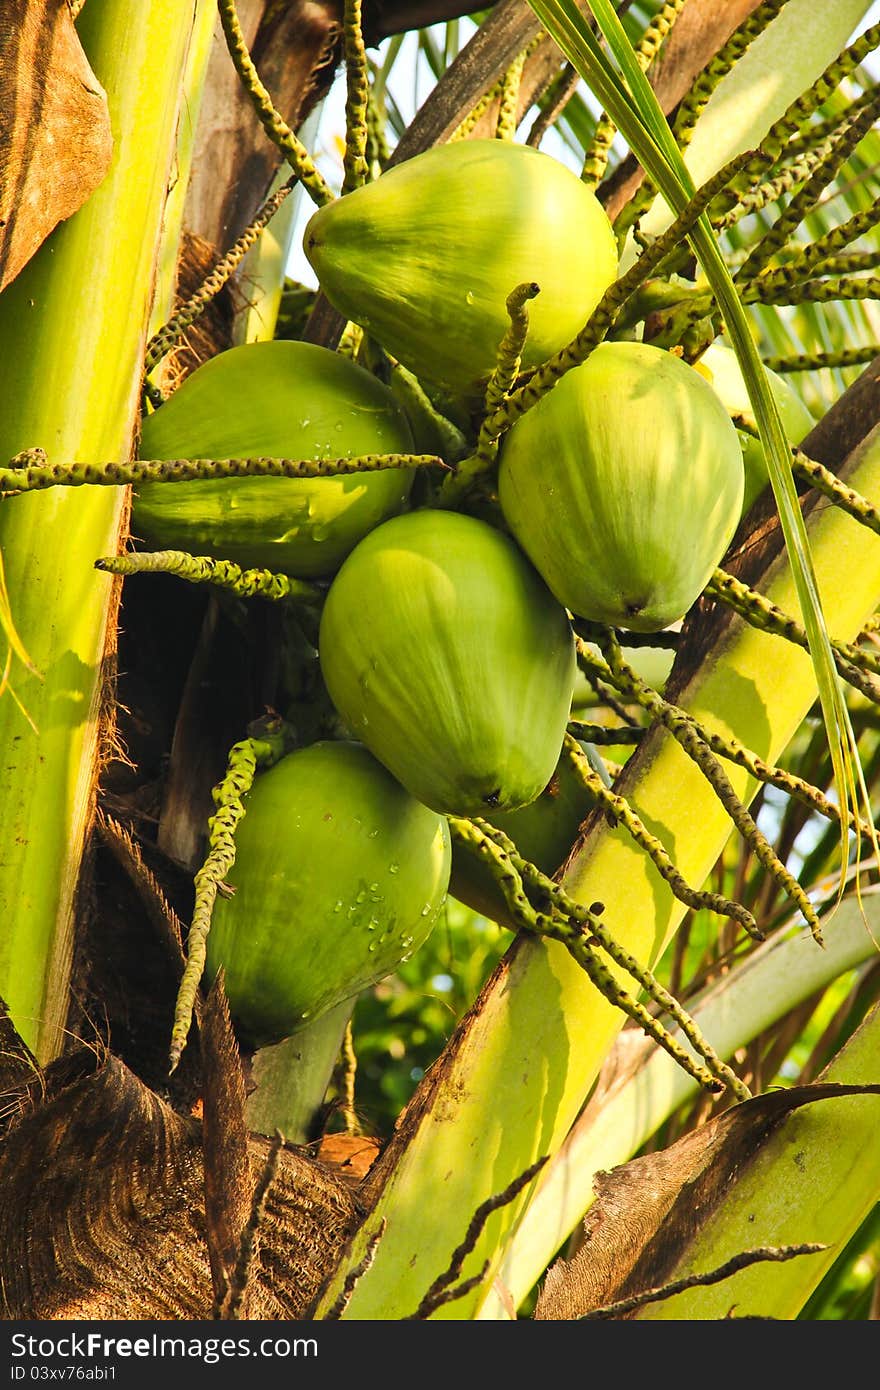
615,670
245,758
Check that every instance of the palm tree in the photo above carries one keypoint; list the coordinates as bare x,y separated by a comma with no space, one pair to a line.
727,1081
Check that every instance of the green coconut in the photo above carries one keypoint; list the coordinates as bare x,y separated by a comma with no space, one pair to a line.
720,366
425,256
339,875
444,652
280,400
624,486
544,832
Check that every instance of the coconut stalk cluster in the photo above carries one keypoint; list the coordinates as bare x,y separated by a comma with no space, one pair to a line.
443,592
490,471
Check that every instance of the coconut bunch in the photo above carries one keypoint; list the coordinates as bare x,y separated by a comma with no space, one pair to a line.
445,638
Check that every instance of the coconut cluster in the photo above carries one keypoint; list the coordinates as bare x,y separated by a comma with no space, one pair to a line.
445,640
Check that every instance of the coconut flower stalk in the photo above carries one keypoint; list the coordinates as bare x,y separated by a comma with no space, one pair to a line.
72,331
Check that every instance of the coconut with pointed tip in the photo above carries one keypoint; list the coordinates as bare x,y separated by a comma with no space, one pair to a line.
425,257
